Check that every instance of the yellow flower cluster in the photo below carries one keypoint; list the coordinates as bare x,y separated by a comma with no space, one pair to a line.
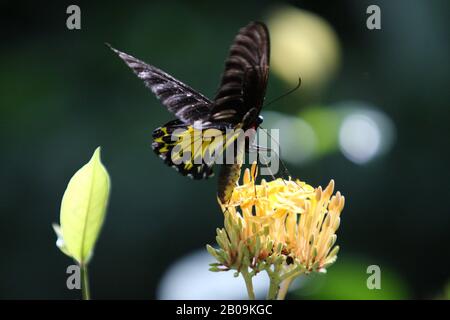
284,223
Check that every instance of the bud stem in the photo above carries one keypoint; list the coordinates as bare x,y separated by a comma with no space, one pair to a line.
273,289
284,287
85,282
249,284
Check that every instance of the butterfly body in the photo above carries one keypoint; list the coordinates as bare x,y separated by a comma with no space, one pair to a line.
237,103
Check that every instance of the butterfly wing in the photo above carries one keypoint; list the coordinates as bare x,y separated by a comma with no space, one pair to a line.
244,80
187,104
173,141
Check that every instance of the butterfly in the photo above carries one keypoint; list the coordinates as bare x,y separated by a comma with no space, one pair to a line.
237,104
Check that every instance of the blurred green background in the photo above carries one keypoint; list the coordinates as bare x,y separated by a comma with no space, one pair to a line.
372,114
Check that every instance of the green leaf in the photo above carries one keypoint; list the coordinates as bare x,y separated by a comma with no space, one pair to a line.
83,209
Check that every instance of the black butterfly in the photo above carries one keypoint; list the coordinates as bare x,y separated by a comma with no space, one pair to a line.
237,103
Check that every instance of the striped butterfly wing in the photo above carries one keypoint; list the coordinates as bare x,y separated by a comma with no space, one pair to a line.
244,81
187,104
241,93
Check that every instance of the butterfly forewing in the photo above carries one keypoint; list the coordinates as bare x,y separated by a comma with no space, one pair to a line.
244,80
187,104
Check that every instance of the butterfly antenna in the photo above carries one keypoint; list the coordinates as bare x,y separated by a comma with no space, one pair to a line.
287,93
284,167
285,173
270,171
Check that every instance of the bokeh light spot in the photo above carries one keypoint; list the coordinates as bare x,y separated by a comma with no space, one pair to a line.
365,132
359,138
303,44
297,139
326,122
189,278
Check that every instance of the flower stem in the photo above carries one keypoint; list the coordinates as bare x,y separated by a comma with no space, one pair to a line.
284,287
249,284
85,282
273,288
293,273
274,282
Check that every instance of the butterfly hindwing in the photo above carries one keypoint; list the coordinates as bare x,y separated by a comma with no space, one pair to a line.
172,141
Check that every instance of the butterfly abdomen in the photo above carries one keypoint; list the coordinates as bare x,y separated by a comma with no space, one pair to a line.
229,176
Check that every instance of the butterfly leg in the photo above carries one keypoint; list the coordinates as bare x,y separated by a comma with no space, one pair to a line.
258,148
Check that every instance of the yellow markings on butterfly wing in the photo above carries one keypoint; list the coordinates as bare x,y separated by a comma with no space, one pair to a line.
160,139
197,146
188,165
182,141
218,144
212,144
208,144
